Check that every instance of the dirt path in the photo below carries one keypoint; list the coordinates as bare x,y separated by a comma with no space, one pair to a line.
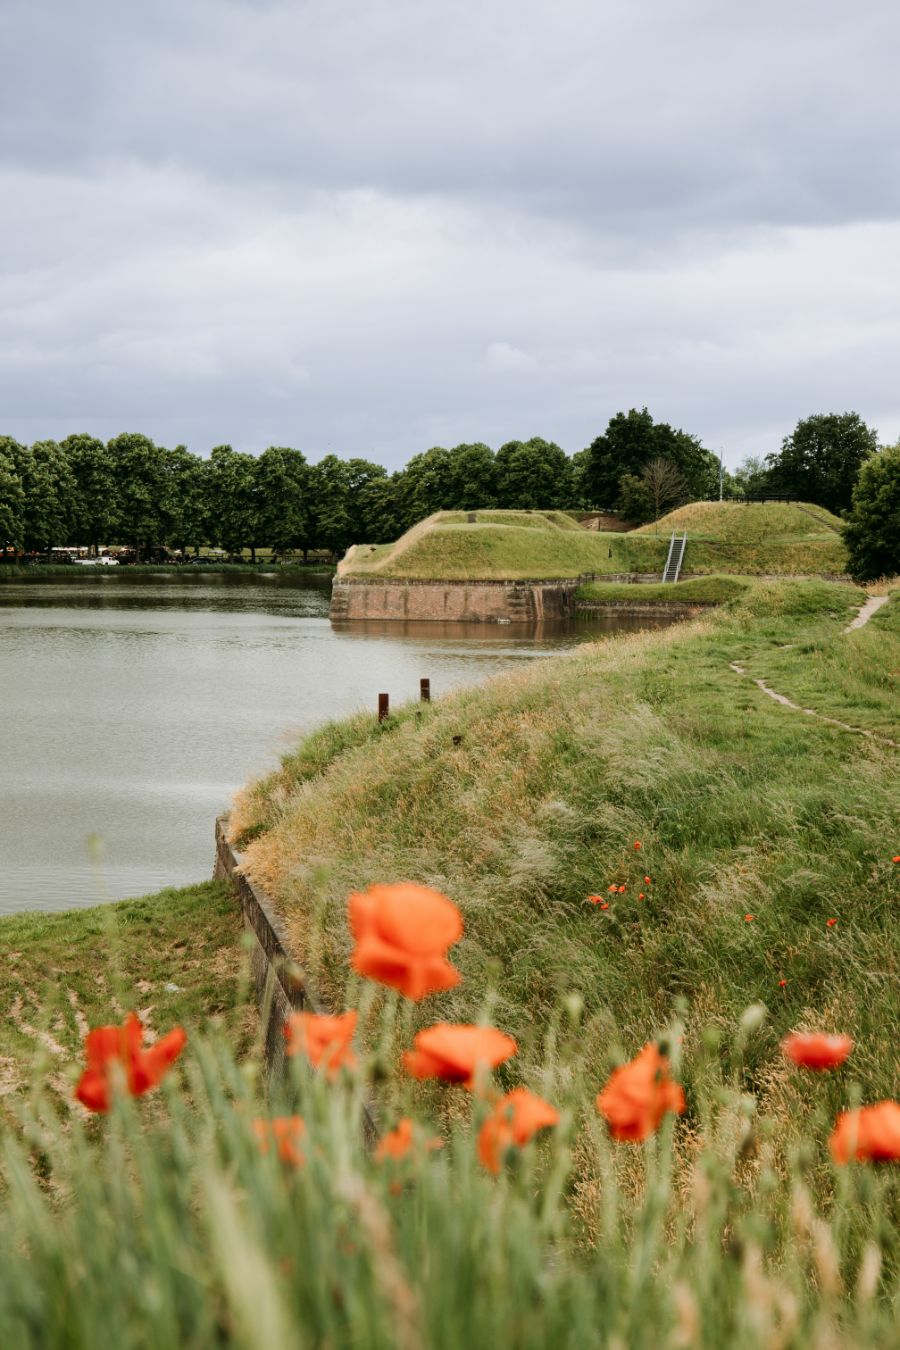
871,606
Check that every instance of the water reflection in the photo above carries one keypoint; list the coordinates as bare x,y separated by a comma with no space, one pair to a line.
133,705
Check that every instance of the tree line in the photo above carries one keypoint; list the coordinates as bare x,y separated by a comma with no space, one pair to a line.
83,491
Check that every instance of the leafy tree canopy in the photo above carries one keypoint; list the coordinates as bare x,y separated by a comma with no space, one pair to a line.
631,441
821,459
872,534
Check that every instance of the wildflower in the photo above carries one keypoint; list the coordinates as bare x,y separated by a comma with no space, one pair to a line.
748,918
285,1132
611,890
870,1134
638,1095
621,890
456,1052
646,881
637,845
896,857
598,900
605,904
399,1141
642,896
402,934
782,984
324,1040
829,923
114,1049
515,1119
815,1050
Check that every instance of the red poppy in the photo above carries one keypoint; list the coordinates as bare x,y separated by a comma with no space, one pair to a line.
611,890
456,1052
748,918
621,890
115,1050
642,896
515,1119
829,923
605,904
896,857
323,1039
816,1050
398,1142
782,984
647,881
285,1132
870,1134
637,844
596,899
638,1095
402,934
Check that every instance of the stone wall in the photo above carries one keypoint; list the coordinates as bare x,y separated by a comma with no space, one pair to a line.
453,601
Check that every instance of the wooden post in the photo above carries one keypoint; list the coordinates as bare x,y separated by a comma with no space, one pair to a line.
384,706
425,691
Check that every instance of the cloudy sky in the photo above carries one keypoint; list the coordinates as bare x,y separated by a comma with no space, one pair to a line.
372,226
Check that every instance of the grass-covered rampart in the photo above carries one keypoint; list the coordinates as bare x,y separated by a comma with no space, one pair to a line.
523,798
756,539
714,590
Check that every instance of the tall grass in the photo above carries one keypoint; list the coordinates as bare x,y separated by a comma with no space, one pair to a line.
164,1224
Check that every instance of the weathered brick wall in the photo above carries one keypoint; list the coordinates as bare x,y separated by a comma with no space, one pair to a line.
453,601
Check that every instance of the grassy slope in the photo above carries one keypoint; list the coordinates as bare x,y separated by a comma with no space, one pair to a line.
756,537
724,537
62,970
742,807
695,591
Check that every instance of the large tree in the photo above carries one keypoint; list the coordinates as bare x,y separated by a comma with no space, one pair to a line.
12,496
234,500
473,477
49,489
141,488
872,533
187,499
630,441
284,491
95,509
425,485
821,459
533,475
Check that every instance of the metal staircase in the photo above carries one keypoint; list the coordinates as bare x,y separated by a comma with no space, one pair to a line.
677,545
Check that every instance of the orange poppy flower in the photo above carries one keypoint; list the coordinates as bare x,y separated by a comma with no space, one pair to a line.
642,896
611,890
456,1052
871,1134
604,904
285,1132
829,923
815,1050
637,844
596,899
402,934
324,1040
748,918
647,881
621,890
896,857
515,1119
638,1095
112,1051
782,984
398,1142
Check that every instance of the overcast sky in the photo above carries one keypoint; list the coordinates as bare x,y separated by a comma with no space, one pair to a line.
372,226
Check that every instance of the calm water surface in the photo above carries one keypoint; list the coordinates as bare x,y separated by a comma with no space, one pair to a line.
133,705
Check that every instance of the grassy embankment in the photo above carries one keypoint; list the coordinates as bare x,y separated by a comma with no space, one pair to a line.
723,537
713,590
741,806
176,956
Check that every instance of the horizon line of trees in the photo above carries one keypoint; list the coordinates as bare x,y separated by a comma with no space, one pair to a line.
130,491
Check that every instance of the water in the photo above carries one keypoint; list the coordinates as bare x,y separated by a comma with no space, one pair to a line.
133,705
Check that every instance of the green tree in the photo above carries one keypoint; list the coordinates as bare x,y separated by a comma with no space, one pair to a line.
635,500
283,488
751,478
821,459
234,500
472,478
12,495
330,489
533,475
872,533
139,478
49,489
187,499
630,441
379,510
95,507
425,485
